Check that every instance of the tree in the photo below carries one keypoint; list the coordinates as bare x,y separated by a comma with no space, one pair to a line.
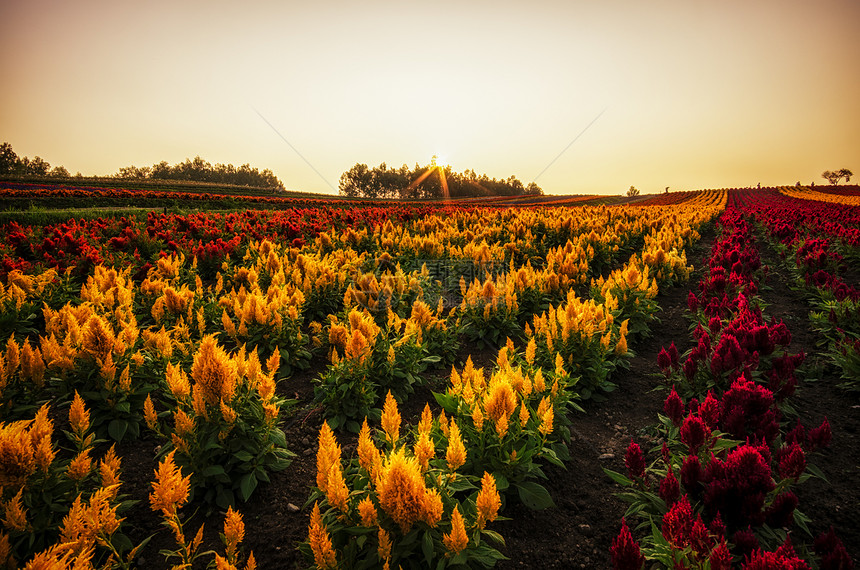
633,191
356,181
34,167
533,190
59,172
8,159
835,176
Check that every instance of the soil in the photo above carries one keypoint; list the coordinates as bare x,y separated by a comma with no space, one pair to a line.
578,532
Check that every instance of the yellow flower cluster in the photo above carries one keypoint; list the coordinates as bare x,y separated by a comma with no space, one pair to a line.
25,447
217,386
574,327
20,288
510,398
399,490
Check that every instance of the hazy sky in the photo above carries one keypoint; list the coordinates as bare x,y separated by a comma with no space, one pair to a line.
692,94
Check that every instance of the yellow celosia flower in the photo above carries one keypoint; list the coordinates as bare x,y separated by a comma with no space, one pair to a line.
32,365
13,354
183,423
109,468
424,449
368,455
500,399
478,417
125,379
327,455
391,419
213,372
336,490
384,545
79,417
149,414
524,414
531,348
320,541
456,453
228,413
539,383
488,501
177,382
80,466
15,515
403,495
234,532
367,512
502,426
443,423
98,339
170,489
545,426
456,540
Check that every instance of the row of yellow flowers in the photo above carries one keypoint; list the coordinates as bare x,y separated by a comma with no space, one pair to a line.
806,193
198,362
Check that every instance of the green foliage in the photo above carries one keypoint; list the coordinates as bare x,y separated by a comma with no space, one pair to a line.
426,182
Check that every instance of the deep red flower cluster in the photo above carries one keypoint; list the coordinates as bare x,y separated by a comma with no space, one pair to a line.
718,496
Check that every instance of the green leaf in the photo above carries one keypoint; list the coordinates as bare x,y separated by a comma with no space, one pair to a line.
117,428
494,535
534,496
561,451
243,456
427,547
247,485
550,455
213,471
816,471
618,478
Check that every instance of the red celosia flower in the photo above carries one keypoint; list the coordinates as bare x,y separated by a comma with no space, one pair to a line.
691,474
781,513
690,368
678,522
673,407
745,541
710,410
669,488
694,433
663,361
673,354
796,435
749,410
820,436
700,538
625,551
692,302
762,560
720,557
792,461
714,325
832,552
635,461
717,527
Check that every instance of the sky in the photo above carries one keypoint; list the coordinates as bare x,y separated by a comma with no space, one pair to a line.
578,97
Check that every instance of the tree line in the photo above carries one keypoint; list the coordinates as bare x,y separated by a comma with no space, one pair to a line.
196,170
425,182
13,165
199,170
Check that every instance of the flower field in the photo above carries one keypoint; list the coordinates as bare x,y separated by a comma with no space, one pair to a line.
384,385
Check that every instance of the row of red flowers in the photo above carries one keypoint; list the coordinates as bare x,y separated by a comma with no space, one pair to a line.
720,487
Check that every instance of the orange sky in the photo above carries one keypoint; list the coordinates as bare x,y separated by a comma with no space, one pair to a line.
692,94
